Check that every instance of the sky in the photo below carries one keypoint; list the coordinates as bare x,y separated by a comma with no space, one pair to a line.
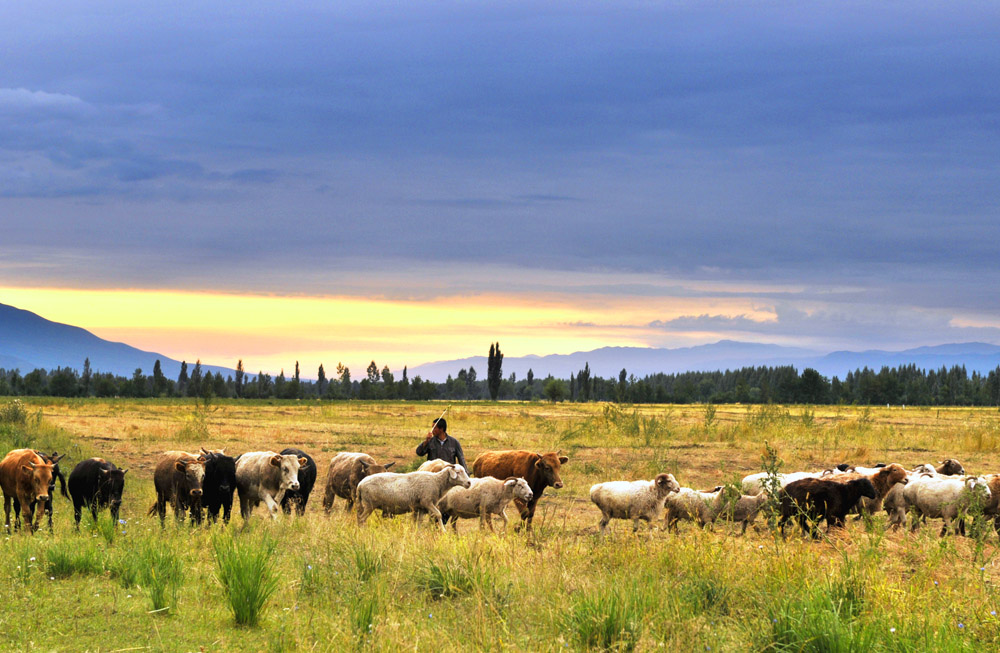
355,181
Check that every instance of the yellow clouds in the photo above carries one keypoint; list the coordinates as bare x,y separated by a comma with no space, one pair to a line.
271,332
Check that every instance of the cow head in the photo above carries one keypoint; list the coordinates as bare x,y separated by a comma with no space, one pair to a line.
112,484
457,476
666,483
194,473
289,465
367,469
39,476
220,471
521,489
548,466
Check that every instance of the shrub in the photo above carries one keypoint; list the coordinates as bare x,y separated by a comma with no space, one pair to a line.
67,558
246,571
608,618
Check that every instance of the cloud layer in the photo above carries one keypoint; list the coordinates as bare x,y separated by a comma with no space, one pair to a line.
843,152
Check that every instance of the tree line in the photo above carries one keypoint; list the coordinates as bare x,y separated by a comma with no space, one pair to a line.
749,385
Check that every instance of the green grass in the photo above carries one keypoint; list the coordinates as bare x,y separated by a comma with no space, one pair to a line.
321,583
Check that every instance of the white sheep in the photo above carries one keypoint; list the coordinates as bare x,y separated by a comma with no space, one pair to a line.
691,505
435,465
484,498
753,484
633,500
946,498
895,503
415,492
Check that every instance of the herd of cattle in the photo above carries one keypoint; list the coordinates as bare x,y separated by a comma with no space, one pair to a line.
191,483
194,484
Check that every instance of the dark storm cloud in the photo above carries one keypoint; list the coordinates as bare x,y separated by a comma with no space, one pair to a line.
833,144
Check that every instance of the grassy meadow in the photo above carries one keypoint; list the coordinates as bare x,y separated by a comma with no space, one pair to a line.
322,584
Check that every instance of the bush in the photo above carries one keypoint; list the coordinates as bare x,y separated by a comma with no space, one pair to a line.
246,571
608,618
67,558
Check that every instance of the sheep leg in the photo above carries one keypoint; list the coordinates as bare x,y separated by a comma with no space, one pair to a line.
364,511
433,511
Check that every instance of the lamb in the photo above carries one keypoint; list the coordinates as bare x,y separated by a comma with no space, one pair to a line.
414,492
744,510
484,498
633,500
346,470
691,505
944,498
818,498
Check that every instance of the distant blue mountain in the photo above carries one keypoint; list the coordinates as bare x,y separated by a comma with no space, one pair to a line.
607,362
28,341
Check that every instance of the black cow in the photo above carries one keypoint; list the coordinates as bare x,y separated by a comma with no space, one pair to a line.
97,484
56,473
219,484
307,478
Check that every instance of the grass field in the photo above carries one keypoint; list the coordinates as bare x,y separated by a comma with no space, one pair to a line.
394,585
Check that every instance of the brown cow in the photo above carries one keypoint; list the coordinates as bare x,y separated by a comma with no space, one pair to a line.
24,475
347,469
539,470
177,478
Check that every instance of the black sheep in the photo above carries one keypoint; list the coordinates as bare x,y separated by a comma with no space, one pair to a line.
96,483
219,484
812,499
307,478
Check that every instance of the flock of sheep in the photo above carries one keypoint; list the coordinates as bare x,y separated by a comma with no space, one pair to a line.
942,492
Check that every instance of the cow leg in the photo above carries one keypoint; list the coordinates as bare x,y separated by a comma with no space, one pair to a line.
93,510
227,509
6,511
77,511
272,505
244,507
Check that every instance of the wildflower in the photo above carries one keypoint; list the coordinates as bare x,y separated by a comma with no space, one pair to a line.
309,567
993,612
128,596
430,616
32,558
892,630
122,522
935,582
961,625
52,577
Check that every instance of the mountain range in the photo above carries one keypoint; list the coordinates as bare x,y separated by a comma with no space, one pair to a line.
28,341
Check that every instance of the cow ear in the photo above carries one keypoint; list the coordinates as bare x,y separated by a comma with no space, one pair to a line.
303,461
55,458
538,463
180,466
276,460
25,468
563,460
389,465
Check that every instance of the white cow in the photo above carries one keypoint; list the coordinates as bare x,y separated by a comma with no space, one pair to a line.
266,476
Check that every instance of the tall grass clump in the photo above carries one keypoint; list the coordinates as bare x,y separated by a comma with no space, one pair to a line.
153,566
63,559
608,618
14,412
195,428
245,567
363,609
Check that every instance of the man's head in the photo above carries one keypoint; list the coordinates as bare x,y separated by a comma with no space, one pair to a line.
440,428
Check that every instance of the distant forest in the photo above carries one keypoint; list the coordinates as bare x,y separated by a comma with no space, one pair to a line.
749,385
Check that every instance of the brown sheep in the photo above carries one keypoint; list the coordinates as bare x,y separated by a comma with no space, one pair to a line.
346,470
